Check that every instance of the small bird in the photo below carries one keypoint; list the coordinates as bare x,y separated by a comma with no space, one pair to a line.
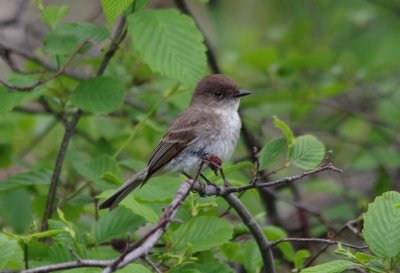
207,131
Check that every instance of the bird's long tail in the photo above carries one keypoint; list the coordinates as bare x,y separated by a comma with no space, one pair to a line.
132,183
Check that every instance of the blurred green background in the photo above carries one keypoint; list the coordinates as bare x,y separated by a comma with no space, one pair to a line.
327,68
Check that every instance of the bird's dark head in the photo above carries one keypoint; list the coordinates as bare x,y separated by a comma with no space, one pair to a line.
218,91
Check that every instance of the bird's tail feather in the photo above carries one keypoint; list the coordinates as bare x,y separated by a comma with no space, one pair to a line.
132,183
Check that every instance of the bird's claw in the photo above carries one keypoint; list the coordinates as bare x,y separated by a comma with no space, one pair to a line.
214,162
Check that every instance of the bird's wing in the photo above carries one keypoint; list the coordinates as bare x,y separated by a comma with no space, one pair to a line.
182,133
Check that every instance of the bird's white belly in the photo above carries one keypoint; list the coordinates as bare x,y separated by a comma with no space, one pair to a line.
223,144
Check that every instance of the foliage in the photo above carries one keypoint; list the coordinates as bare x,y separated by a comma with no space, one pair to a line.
381,223
323,74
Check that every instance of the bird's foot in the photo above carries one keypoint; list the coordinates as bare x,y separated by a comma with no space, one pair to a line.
214,162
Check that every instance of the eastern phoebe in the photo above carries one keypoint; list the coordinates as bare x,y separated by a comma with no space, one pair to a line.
206,131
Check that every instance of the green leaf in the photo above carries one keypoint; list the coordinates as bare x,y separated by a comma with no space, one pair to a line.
6,154
307,152
253,261
16,209
382,225
237,166
364,257
114,8
274,233
116,223
202,267
160,189
34,177
51,15
300,257
10,252
330,267
9,100
59,253
169,43
287,132
261,58
65,39
94,170
26,239
140,4
140,209
134,268
202,233
271,151
99,95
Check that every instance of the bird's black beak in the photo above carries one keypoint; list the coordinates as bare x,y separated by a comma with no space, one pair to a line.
242,93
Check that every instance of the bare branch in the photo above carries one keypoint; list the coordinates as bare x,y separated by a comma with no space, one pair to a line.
212,190
143,247
70,128
119,36
77,258
318,241
140,249
322,250
52,77
68,265
69,131
256,231
151,264
29,56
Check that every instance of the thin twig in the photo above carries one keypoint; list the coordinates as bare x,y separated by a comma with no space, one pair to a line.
73,253
68,265
37,139
138,250
151,264
119,36
256,231
69,131
151,238
51,77
29,56
318,241
322,250
306,208
212,190
301,213
70,128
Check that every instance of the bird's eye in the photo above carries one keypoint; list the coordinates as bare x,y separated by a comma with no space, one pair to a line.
218,94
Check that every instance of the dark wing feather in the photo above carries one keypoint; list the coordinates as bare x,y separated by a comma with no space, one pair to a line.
180,135
173,143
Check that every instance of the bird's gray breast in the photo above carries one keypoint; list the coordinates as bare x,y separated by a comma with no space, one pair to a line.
224,139
219,139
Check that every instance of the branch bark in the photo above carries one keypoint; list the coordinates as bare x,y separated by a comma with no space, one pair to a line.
68,265
147,242
317,240
138,250
217,190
